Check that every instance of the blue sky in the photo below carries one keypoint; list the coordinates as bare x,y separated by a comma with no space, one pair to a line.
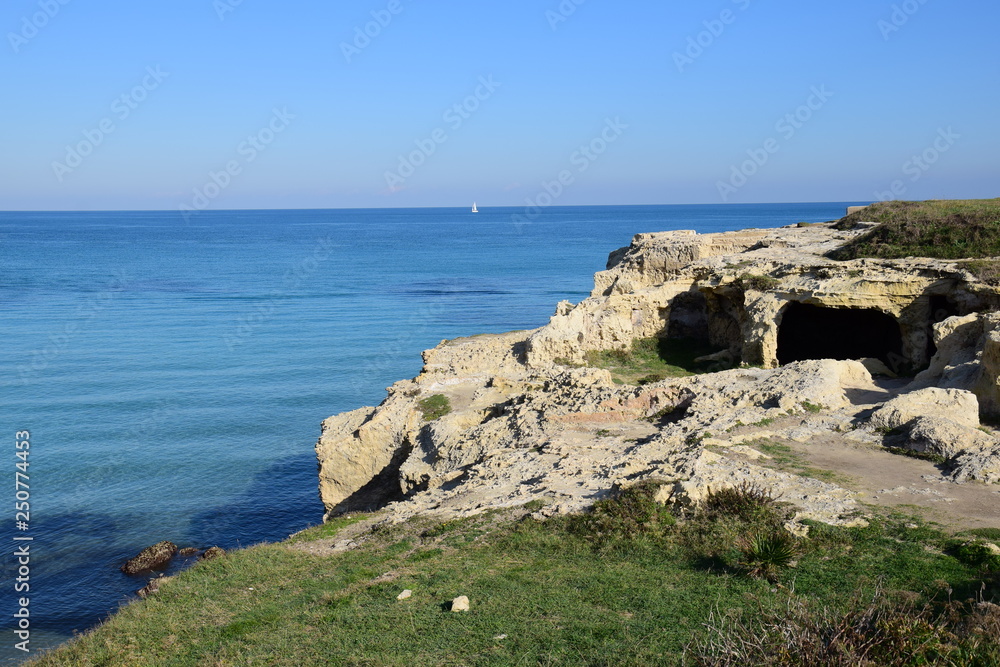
618,99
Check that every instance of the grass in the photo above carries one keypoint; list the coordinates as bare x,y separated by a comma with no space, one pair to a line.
784,458
654,359
943,229
435,407
630,583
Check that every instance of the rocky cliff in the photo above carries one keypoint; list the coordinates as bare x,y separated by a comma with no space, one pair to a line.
807,349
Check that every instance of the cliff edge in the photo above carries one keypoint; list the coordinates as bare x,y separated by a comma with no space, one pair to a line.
799,348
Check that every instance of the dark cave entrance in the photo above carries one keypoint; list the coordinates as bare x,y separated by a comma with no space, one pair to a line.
814,332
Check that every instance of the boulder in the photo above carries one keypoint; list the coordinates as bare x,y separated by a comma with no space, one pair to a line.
944,437
979,466
461,603
212,552
155,557
188,551
957,405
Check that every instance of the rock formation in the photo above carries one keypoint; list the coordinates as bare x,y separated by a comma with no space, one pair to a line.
798,338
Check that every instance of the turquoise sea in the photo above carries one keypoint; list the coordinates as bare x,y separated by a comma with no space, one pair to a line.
173,374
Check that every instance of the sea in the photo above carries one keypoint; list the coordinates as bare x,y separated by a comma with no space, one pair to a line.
170,373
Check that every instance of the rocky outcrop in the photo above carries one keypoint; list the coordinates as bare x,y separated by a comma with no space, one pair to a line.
529,421
154,557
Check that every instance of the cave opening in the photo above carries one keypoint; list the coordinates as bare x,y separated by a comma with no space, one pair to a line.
815,332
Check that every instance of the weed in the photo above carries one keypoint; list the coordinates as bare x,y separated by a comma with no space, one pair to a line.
435,407
765,553
749,281
812,407
746,500
884,630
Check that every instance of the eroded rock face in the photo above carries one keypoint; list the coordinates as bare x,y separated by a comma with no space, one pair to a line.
527,423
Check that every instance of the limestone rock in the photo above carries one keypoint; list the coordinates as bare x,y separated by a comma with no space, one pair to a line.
979,466
944,437
188,551
530,422
405,595
461,603
153,557
956,405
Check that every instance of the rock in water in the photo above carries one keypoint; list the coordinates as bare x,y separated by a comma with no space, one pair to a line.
151,558
188,551
461,603
212,552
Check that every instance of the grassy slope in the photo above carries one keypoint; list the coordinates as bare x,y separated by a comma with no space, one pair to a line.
944,229
622,587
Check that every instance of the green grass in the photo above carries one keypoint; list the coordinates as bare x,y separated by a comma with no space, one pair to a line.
654,359
784,458
631,583
333,526
943,229
435,407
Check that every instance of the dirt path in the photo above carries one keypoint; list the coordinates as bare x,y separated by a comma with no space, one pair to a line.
891,480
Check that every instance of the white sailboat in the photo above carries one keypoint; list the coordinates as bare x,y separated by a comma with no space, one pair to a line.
474,209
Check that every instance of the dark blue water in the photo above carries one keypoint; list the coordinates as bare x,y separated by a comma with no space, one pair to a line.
173,376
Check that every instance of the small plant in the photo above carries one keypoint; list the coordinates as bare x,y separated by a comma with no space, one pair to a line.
603,433
749,281
435,407
767,421
632,512
765,553
812,407
650,379
746,500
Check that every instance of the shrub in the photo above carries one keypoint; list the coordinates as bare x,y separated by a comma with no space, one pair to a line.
882,631
634,511
760,283
765,553
746,501
435,407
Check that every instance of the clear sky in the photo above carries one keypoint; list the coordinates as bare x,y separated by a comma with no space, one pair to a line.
292,105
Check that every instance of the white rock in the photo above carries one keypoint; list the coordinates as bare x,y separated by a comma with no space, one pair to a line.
957,405
404,595
461,603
